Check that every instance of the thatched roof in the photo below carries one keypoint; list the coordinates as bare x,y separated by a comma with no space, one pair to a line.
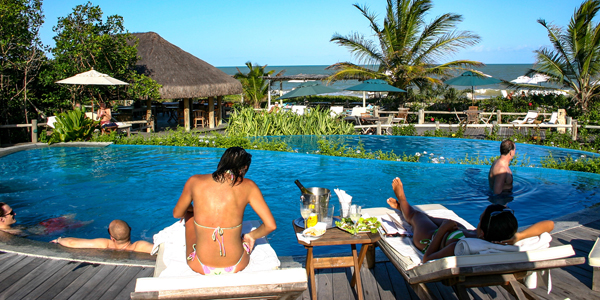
181,74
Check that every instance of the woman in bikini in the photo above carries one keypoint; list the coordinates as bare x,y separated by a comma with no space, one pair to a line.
213,207
437,238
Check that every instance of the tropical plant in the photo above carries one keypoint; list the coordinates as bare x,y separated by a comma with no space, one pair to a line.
255,86
73,126
573,61
245,121
408,50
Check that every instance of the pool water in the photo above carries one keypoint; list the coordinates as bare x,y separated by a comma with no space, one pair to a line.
434,147
141,184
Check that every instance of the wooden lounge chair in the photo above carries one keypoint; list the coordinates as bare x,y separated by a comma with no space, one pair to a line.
528,119
508,269
262,283
402,116
553,119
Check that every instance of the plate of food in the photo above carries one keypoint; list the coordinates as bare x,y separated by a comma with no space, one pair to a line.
364,225
314,232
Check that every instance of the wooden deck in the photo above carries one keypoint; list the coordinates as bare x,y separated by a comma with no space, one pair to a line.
29,277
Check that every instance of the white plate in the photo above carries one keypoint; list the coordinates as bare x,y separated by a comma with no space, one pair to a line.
312,236
300,222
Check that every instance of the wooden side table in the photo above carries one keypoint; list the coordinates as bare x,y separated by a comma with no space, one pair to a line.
336,236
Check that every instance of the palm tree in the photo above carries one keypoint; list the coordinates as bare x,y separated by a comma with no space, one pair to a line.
408,50
254,84
574,60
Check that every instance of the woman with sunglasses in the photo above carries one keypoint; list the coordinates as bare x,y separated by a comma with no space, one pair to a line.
7,219
437,238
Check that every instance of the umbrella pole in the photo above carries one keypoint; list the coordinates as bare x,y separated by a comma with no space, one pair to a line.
364,99
472,95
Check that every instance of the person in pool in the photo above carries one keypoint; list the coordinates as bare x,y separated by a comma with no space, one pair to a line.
120,240
213,208
437,238
8,219
500,177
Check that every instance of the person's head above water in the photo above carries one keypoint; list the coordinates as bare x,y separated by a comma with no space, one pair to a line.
235,163
506,146
120,231
497,223
7,216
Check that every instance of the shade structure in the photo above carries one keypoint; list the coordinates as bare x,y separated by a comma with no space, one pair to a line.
374,85
309,89
537,78
521,79
92,77
181,74
472,79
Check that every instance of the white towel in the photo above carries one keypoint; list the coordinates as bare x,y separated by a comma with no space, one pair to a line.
262,258
345,201
469,246
308,239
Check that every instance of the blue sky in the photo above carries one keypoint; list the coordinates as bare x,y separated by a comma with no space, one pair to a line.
293,32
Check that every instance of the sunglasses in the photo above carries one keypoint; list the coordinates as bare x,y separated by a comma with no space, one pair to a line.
11,213
495,213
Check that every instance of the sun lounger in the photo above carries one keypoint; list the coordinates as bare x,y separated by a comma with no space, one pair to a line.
336,111
509,269
594,261
528,119
262,279
553,118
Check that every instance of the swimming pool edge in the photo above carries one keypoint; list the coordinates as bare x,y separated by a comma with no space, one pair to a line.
17,148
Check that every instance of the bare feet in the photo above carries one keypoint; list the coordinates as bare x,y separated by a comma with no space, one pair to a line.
393,203
398,189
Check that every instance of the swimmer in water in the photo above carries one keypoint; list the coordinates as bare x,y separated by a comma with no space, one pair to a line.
120,240
500,176
7,219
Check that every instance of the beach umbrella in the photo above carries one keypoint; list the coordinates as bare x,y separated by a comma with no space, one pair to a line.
309,89
374,85
92,77
472,79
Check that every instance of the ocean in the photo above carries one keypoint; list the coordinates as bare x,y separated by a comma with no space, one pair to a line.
501,71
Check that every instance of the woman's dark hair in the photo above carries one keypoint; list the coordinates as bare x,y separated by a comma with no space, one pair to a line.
235,163
498,223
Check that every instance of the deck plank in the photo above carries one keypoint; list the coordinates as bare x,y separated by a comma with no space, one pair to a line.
9,262
341,283
59,275
77,270
400,287
384,283
108,282
36,277
369,283
96,272
18,270
324,283
131,273
130,287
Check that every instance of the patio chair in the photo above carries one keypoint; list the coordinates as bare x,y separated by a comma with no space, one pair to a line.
528,119
402,115
335,111
262,279
507,269
199,116
553,119
299,109
472,115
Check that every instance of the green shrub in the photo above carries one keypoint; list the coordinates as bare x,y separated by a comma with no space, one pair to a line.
408,130
582,164
73,126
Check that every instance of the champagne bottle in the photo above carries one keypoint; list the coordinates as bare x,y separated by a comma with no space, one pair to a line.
302,188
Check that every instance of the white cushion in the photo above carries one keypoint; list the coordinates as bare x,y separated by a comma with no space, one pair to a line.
594,256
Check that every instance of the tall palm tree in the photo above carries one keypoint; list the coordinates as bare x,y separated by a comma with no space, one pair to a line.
254,85
407,50
574,60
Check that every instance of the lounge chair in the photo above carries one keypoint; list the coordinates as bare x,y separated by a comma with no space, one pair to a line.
402,116
336,110
298,109
172,281
528,119
553,119
120,125
508,269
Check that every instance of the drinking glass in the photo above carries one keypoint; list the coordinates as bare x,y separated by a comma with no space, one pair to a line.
305,211
355,211
328,217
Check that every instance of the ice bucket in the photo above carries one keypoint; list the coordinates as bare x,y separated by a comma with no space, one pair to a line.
320,200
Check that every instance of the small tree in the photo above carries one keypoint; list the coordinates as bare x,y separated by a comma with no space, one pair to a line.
254,85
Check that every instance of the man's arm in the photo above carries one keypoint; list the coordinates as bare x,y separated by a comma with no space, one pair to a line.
82,243
143,246
531,231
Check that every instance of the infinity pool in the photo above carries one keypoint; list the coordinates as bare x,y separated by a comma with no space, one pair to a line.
141,184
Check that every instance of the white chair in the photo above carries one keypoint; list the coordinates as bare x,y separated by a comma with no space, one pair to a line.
299,109
528,119
553,118
358,111
504,93
336,111
51,121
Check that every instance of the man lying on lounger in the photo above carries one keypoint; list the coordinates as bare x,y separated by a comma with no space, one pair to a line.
437,238
120,240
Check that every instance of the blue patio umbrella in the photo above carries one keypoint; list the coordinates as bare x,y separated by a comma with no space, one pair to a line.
472,79
309,89
374,85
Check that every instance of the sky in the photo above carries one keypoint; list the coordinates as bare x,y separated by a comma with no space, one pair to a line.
294,32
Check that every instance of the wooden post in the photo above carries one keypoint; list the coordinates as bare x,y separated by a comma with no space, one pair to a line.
34,131
220,109
568,122
186,114
574,130
378,127
421,117
499,116
149,117
437,125
211,112
376,112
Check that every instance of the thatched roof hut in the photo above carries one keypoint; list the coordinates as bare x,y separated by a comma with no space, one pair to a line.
181,74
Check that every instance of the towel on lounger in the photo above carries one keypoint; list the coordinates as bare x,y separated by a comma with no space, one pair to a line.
262,258
469,246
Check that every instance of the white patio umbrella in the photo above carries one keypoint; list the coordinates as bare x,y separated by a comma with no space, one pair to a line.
92,77
521,79
537,78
